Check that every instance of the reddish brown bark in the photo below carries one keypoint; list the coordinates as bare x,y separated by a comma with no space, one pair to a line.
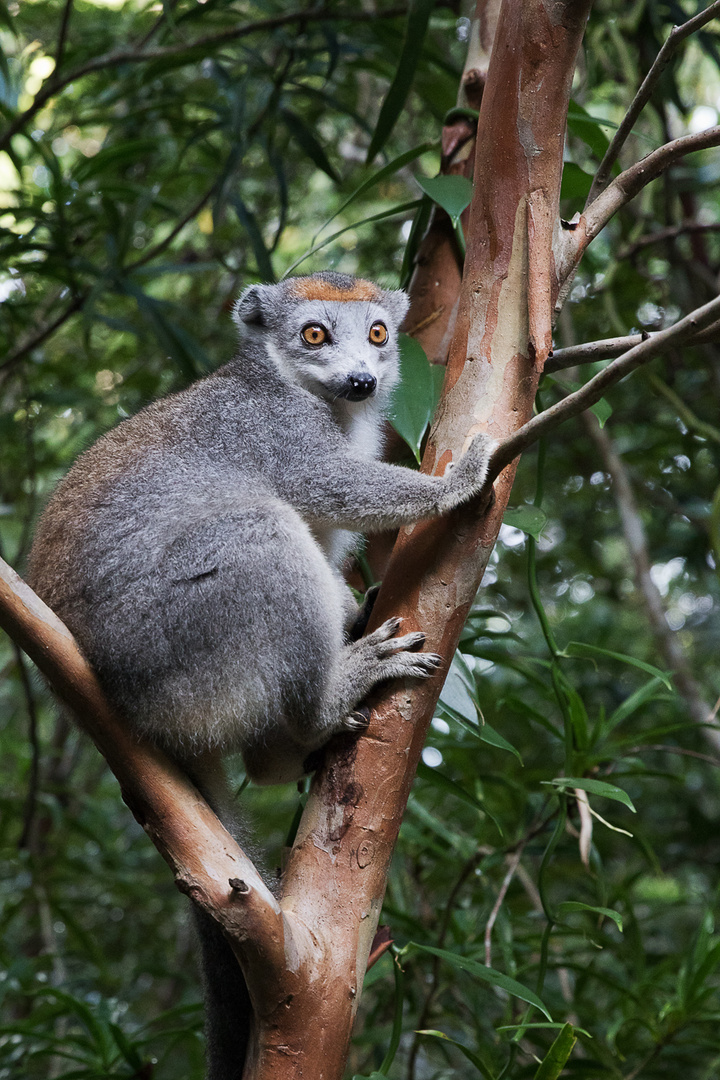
336,874
305,957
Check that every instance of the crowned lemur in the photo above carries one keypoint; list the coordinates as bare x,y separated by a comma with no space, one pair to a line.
194,551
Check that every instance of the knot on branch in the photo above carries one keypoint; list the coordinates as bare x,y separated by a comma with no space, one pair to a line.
238,886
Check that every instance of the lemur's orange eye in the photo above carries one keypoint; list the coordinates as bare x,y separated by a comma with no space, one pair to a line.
378,333
314,334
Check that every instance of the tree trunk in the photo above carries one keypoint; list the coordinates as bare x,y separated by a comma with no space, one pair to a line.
335,878
304,956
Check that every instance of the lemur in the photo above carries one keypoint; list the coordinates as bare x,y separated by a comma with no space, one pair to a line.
195,550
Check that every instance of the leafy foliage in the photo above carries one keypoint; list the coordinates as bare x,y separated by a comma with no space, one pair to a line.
181,151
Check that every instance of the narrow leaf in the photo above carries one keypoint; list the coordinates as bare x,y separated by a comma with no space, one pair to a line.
556,1058
582,650
382,174
413,401
576,183
602,409
493,738
575,905
479,1064
487,974
394,103
307,142
595,787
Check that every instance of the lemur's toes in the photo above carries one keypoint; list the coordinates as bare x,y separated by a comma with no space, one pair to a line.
358,720
385,632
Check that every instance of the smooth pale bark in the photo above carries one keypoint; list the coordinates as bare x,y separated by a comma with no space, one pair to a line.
335,878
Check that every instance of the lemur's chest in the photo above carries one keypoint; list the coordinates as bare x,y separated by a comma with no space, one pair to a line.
363,432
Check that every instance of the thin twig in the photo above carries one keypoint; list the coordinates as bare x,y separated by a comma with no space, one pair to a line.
196,49
513,862
30,812
608,348
424,1016
670,233
593,390
676,36
575,239
42,335
667,641
672,750
62,36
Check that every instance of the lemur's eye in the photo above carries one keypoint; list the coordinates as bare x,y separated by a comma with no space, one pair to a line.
378,333
314,334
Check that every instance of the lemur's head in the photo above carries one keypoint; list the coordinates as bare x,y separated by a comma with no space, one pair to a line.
333,334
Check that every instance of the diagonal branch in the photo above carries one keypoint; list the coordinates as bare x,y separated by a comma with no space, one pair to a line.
575,239
207,863
593,390
676,36
607,348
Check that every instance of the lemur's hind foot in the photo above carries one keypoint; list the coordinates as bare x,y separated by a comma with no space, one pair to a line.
375,659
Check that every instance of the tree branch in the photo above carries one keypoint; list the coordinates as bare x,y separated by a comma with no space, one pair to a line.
672,232
573,241
608,348
60,49
195,49
204,857
676,36
666,639
593,390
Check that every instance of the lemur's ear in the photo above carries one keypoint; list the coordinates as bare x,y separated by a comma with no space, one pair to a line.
250,308
397,303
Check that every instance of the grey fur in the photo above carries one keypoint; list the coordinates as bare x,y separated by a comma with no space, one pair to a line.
194,551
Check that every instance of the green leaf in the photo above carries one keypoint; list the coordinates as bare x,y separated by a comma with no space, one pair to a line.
402,208
492,737
307,142
646,693
452,193
250,224
472,1057
589,129
414,399
123,154
187,353
581,650
129,1052
394,103
602,409
595,787
554,1061
529,519
486,974
459,698
575,905
450,787
382,174
464,845
574,705
576,183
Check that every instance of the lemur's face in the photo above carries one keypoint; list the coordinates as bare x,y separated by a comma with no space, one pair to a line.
334,335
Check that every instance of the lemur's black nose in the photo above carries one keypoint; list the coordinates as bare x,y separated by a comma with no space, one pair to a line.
360,387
